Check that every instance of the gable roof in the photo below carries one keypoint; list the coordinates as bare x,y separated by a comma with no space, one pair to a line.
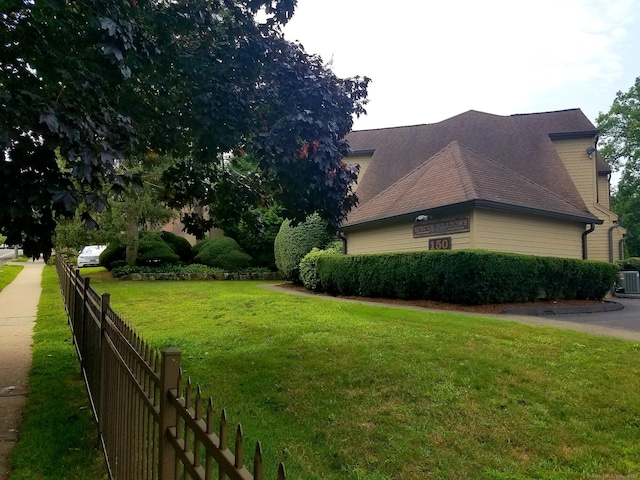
459,176
520,144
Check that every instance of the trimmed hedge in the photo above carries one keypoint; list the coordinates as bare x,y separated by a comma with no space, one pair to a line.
309,265
224,253
464,276
293,242
179,245
632,263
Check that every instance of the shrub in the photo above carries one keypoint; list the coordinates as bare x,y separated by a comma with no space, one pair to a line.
179,245
632,263
115,252
293,242
309,266
224,253
152,250
464,276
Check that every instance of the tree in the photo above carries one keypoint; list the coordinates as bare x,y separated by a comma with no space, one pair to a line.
620,140
102,82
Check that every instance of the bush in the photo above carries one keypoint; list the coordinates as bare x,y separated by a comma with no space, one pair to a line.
115,252
632,263
224,253
309,266
179,245
464,276
152,250
293,242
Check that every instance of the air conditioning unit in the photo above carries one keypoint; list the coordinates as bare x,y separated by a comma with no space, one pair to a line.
629,282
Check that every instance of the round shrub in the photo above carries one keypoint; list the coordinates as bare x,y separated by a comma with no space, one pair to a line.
223,252
179,245
195,250
153,251
115,252
293,242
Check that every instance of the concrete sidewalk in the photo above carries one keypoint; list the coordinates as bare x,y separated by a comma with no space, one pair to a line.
18,307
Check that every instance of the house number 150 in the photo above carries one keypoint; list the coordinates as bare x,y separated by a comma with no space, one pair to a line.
440,243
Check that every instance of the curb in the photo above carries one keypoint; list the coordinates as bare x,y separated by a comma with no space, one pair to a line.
607,306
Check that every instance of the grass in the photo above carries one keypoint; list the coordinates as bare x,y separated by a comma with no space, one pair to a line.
58,438
8,273
350,391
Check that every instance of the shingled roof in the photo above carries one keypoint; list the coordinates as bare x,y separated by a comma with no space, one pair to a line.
491,160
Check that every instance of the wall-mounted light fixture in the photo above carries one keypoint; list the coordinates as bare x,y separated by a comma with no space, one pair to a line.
422,218
590,151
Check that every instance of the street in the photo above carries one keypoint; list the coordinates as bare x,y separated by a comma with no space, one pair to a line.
6,254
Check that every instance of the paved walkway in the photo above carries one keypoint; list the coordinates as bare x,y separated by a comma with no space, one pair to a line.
18,307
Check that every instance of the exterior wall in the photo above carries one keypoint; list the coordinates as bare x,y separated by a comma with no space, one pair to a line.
604,189
599,242
364,161
581,168
490,230
529,235
398,237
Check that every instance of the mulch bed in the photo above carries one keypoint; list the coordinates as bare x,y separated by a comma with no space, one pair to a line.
488,309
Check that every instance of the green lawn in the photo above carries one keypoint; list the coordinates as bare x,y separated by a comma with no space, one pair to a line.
58,438
8,273
348,391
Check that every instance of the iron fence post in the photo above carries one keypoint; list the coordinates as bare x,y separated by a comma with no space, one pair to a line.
170,371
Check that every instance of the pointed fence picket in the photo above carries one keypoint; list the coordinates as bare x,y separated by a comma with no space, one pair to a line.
150,426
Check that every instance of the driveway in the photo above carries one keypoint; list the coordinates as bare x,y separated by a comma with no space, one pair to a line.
624,323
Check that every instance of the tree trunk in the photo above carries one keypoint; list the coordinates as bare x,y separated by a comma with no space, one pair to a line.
132,236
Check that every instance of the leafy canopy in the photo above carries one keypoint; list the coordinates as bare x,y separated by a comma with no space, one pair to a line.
620,131
99,82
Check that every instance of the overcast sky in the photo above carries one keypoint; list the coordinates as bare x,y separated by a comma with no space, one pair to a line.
429,61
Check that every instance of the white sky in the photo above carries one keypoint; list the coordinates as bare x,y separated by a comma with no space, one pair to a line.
429,61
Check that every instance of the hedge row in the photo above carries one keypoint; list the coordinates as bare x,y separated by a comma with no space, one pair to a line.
464,276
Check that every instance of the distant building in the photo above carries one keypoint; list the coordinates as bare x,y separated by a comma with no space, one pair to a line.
531,184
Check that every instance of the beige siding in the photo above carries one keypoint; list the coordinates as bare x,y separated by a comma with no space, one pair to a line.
604,191
364,161
398,238
527,234
581,168
598,241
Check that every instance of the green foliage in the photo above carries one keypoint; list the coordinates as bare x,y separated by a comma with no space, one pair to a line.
256,234
224,253
620,147
115,252
293,242
464,276
153,250
193,268
309,266
179,245
223,80
632,263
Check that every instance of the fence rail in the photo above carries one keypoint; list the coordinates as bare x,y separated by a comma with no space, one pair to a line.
150,426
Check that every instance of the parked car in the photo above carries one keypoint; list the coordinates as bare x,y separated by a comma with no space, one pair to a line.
89,256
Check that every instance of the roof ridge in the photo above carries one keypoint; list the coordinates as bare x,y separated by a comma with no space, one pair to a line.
462,168
544,113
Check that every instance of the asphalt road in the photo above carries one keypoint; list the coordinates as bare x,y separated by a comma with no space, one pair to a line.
6,254
627,319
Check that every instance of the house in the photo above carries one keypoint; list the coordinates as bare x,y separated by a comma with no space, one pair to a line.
531,184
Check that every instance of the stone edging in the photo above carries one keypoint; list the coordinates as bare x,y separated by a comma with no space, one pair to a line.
135,277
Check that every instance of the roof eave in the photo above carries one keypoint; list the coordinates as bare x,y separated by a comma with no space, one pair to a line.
485,204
